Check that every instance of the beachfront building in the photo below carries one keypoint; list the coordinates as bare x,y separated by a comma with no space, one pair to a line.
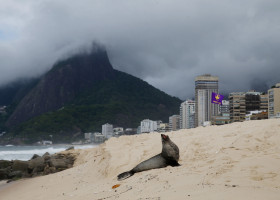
89,137
187,114
223,117
256,115
130,131
224,108
246,103
264,102
107,130
220,120
274,101
139,130
204,109
174,122
252,101
163,127
98,137
118,131
159,122
147,126
259,116
237,106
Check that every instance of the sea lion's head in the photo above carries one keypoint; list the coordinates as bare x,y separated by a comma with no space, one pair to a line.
164,138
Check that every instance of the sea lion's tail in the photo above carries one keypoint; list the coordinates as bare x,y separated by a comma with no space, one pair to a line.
125,175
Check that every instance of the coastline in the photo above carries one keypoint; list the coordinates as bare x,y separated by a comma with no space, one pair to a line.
5,185
26,152
235,161
2,184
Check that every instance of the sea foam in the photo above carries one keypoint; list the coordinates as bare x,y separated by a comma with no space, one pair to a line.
26,152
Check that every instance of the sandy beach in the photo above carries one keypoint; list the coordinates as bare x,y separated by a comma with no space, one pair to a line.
3,184
235,161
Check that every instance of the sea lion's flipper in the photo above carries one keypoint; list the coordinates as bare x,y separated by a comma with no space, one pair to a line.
174,163
125,175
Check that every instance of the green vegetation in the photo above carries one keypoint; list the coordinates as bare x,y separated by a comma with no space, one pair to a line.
122,101
15,91
11,94
3,118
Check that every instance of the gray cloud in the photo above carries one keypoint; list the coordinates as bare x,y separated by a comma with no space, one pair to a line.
167,43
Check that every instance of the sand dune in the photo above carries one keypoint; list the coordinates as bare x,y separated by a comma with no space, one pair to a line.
235,161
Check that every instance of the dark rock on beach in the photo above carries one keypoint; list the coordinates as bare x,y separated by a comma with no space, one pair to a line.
18,165
34,156
4,174
36,166
4,164
5,168
16,174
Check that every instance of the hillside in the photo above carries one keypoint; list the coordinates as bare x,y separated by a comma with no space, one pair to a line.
235,161
80,94
15,91
11,94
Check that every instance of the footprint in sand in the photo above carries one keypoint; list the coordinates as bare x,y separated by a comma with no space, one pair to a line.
262,176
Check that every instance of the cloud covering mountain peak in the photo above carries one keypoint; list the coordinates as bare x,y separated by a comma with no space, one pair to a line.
167,43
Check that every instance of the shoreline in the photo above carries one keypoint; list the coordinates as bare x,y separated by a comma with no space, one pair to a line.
59,144
4,184
235,161
26,152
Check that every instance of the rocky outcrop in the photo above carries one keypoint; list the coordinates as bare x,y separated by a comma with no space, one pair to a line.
36,166
62,84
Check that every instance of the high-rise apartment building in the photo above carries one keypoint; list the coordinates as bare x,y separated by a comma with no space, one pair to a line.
107,130
242,103
237,106
148,126
274,101
264,102
252,101
204,109
187,114
174,122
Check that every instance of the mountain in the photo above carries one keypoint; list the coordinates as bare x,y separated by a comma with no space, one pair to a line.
10,96
80,94
15,91
59,86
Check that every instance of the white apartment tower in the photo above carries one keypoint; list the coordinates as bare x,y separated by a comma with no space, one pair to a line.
148,126
107,130
187,114
204,109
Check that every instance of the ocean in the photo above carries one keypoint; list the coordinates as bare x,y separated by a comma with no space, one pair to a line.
10,152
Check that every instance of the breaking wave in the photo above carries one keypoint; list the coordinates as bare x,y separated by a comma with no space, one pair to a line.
26,152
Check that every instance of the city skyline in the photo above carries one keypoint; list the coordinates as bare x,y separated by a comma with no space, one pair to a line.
169,46
242,106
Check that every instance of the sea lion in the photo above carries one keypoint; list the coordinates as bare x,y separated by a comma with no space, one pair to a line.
168,156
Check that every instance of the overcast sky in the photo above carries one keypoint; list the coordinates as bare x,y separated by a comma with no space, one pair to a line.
165,42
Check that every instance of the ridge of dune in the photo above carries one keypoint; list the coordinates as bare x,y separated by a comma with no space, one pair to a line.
239,160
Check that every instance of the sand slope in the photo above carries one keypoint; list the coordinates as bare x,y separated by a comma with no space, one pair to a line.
236,161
